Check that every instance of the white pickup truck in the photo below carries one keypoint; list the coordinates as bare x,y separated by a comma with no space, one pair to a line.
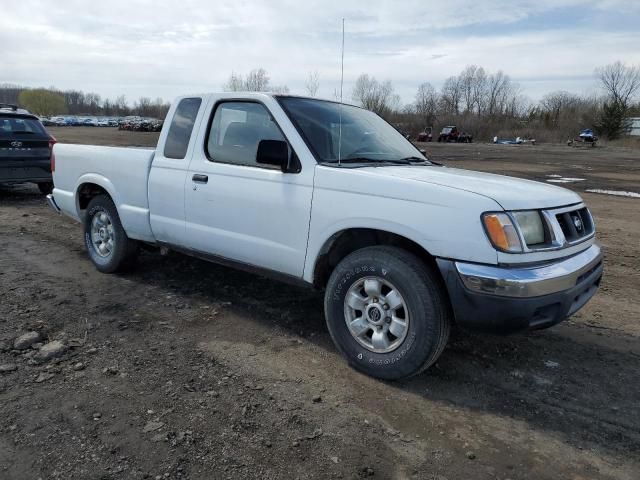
332,196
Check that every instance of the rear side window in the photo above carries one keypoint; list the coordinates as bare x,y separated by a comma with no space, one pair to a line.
14,125
181,128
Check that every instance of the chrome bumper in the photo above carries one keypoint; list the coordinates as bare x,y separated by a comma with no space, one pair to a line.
527,282
52,203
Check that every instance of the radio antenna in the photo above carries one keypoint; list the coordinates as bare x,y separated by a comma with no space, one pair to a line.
340,110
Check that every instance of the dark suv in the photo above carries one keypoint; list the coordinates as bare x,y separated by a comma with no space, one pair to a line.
25,149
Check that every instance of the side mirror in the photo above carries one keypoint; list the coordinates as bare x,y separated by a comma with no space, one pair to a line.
423,151
273,152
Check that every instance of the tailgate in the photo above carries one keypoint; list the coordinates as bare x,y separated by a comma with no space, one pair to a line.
20,148
22,139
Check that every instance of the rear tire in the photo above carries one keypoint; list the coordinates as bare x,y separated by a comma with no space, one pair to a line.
45,187
107,244
387,312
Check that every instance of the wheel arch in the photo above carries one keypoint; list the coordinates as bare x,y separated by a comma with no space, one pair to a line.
348,240
90,186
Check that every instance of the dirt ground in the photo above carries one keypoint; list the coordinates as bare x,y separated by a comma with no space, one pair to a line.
184,369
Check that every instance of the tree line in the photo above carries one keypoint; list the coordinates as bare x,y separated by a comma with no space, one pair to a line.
50,101
487,104
481,102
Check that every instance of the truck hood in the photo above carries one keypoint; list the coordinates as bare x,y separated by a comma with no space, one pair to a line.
511,193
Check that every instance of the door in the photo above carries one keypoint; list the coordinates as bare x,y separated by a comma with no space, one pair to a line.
240,210
168,173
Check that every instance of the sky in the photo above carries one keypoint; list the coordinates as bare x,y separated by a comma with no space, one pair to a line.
168,48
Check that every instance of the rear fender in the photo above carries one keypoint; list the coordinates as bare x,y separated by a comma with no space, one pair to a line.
99,180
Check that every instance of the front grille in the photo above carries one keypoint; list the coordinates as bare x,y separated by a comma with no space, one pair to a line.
575,224
563,227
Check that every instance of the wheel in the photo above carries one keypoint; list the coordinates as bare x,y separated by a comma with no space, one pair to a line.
387,312
108,246
45,187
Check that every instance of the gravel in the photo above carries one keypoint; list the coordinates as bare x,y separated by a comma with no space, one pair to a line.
25,341
8,367
50,351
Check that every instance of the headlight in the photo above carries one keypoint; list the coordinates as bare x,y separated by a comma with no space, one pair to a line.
502,229
530,224
502,232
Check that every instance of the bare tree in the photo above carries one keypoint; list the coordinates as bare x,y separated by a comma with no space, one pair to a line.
120,105
426,103
143,106
467,80
92,101
451,95
518,105
257,81
499,90
313,83
107,107
480,90
9,93
234,84
75,101
372,95
556,104
281,89
620,82
473,85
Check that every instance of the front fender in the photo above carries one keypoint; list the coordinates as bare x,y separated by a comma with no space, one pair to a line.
318,242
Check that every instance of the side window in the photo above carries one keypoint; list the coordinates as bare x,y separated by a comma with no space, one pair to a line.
237,129
181,127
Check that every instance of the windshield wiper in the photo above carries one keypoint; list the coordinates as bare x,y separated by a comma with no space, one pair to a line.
421,160
394,161
382,161
354,160
413,160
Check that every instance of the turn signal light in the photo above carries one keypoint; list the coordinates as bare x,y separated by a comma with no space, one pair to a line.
501,232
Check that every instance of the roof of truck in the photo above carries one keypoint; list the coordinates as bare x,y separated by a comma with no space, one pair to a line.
246,94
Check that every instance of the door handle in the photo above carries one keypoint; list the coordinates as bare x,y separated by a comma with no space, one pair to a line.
200,178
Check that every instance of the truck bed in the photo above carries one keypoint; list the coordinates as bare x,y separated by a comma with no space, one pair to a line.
122,172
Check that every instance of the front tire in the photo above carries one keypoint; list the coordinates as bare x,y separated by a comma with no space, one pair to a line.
387,312
107,243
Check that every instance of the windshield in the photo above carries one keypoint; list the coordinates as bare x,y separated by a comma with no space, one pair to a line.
353,134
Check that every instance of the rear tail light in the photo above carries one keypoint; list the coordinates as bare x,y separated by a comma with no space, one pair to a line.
52,142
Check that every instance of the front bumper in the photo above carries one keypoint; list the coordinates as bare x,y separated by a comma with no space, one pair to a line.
509,299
